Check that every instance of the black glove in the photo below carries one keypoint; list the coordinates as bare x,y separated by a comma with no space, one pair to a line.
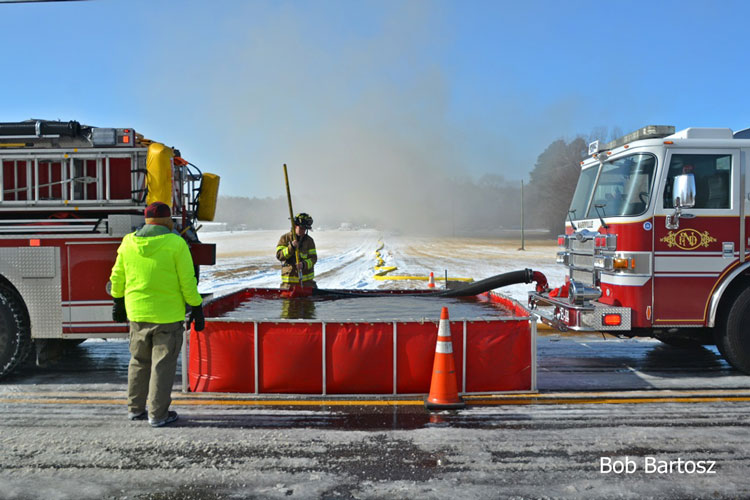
119,315
197,318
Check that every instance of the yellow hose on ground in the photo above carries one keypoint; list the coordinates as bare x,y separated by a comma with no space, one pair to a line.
419,278
381,271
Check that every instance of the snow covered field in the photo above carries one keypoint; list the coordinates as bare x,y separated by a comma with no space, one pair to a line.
346,260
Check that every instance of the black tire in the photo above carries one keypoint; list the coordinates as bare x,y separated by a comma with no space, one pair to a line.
733,335
720,337
15,330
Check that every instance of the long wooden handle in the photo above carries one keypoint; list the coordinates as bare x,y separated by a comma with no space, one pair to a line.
291,217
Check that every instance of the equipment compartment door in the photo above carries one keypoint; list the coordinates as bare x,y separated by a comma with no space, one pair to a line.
689,260
88,307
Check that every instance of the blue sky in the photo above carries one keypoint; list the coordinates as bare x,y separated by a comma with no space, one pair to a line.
359,95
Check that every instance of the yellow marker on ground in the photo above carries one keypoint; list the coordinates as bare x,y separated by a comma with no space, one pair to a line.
571,398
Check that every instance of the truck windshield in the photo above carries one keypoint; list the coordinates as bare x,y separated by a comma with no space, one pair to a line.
583,193
623,188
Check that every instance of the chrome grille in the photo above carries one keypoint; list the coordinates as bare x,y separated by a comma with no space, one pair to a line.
585,277
581,261
582,246
586,261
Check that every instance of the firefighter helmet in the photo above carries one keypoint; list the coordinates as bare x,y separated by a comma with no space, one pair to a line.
303,220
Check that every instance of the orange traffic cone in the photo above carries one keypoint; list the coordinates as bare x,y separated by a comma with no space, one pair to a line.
431,283
443,387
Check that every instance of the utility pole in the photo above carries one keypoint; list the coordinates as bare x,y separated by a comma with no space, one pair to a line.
453,217
523,236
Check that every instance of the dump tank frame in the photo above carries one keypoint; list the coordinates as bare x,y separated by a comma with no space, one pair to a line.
365,358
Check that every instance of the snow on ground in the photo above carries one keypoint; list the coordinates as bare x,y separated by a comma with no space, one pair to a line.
346,259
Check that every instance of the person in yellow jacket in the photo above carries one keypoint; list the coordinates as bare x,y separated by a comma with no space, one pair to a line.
152,280
308,256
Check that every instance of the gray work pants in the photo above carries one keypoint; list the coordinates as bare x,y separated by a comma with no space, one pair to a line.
154,349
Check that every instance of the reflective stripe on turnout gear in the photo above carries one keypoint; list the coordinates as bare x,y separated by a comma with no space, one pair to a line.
286,255
284,250
295,279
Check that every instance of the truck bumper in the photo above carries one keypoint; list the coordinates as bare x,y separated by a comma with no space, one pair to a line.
589,317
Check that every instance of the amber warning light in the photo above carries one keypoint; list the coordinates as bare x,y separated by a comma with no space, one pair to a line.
612,320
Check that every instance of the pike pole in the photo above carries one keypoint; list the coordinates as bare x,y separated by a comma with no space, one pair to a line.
294,233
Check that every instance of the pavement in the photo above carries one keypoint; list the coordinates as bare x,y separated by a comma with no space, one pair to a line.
611,419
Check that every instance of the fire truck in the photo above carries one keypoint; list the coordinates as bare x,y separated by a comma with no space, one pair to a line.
68,194
656,241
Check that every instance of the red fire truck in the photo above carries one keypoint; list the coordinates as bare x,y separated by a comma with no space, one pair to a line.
68,194
657,241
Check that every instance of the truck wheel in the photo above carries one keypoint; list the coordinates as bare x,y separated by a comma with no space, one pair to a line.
733,340
719,338
15,330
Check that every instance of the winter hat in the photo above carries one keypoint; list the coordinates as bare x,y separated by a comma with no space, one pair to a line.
157,210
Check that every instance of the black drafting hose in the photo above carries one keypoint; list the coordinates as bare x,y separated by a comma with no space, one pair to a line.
485,285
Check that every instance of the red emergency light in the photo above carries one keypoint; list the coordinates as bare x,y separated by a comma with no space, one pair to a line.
612,320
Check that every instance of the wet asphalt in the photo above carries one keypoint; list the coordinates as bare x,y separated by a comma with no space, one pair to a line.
566,362
63,434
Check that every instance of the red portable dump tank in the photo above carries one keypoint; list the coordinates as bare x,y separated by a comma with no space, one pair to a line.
358,357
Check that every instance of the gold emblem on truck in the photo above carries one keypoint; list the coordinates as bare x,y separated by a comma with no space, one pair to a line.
688,239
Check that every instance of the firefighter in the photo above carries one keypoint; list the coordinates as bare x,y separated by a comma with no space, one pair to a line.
152,280
308,256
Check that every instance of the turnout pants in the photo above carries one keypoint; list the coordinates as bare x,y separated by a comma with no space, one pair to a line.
305,284
154,349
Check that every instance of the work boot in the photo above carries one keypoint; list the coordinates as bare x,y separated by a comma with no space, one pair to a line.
137,415
171,417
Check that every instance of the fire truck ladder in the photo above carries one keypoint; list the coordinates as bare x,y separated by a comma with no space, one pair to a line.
70,186
72,177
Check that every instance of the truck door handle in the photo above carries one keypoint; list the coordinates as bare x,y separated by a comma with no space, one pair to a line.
727,249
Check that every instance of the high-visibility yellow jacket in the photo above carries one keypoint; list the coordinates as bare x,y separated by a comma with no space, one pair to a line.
307,255
155,274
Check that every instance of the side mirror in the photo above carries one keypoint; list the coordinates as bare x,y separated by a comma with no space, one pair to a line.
683,191
683,196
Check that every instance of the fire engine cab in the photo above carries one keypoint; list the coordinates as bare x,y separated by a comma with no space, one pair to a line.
656,241
68,194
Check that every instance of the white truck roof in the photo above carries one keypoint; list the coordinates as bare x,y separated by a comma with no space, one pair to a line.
702,133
